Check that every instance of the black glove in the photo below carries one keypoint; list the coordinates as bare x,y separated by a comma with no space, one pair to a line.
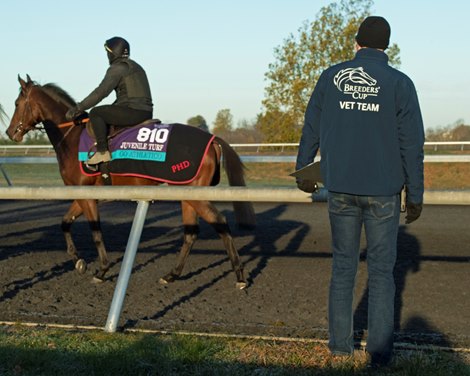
413,211
73,113
307,185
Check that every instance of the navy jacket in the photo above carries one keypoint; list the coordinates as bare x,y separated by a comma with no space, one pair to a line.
364,116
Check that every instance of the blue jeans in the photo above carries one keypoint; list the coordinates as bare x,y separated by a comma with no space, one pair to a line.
380,217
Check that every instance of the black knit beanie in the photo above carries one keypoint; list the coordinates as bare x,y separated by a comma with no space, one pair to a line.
374,32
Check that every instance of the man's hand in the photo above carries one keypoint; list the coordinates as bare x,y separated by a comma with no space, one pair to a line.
413,211
307,185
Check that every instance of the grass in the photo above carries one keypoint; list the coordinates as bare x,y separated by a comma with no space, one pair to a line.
436,175
47,351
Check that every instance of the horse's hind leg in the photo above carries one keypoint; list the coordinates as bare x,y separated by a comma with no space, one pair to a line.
72,214
211,215
90,208
191,231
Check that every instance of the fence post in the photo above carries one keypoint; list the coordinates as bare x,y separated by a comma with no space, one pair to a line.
126,267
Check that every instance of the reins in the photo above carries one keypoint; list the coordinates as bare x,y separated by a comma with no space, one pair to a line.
70,123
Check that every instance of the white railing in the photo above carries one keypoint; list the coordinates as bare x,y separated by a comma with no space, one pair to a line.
245,159
27,149
4,160
281,145
447,143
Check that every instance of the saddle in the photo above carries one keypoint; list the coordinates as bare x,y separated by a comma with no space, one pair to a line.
114,130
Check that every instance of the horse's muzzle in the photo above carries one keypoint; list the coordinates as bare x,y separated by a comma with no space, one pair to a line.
16,134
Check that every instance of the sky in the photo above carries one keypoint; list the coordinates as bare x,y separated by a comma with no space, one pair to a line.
207,55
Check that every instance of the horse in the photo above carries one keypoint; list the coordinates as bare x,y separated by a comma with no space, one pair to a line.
48,104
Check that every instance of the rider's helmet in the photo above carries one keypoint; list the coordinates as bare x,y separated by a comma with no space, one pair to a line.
117,47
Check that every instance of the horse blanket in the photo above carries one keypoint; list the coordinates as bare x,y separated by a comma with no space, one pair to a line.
169,153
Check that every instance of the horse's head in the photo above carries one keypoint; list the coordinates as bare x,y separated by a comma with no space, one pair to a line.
27,114
353,75
37,104
359,76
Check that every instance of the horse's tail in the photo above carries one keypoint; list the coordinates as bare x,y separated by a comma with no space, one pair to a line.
234,168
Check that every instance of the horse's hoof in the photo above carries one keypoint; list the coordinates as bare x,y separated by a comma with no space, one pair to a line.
80,266
97,280
241,285
170,277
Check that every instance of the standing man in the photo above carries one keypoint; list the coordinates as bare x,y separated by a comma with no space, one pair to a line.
365,117
133,104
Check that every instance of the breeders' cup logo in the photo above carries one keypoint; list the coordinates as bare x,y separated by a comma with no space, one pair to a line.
356,82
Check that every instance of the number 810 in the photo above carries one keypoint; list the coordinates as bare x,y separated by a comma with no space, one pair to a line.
159,135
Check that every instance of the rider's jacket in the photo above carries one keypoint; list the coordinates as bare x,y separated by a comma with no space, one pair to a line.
365,117
129,80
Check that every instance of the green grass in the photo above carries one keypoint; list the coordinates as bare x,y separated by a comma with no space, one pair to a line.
46,351
31,175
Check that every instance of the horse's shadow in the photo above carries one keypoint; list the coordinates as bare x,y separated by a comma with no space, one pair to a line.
155,236
47,237
259,250
15,287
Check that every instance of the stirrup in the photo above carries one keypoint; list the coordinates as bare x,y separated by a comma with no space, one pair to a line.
99,157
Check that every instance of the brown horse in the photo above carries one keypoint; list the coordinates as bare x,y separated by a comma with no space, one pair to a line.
47,104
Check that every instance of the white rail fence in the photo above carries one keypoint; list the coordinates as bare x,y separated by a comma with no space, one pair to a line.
258,147
244,158
34,154
462,145
144,194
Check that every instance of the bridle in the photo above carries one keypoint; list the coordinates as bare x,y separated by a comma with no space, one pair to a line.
21,128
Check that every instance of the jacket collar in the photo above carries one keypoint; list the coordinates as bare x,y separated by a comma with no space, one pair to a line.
372,54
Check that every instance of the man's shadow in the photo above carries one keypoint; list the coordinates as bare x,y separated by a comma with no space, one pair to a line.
408,261
425,337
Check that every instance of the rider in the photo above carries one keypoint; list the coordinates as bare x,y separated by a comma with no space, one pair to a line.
133,103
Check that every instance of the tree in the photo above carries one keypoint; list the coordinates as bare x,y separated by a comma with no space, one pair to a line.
199,122
328,40
223,122
457,131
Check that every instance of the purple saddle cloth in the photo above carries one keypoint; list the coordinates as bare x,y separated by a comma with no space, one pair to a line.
169,153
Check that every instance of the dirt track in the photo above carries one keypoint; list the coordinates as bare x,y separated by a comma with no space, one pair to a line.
287,261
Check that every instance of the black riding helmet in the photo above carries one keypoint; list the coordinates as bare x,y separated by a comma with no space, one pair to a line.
117,47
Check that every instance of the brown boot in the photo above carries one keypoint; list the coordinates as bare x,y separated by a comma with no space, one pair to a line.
99,157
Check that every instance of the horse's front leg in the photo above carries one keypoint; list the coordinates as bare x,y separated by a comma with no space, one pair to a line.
90,209
69,218
191,231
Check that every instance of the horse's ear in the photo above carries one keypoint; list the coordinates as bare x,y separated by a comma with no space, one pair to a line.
22,82
28,78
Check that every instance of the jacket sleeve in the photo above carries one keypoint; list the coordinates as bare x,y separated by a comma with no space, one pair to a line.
411,138
310,139
107,85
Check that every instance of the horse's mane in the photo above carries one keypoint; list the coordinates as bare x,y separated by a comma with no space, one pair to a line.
59,94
